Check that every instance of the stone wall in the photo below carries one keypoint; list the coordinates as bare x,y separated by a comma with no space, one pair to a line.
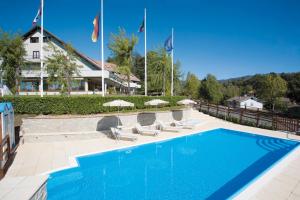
90,126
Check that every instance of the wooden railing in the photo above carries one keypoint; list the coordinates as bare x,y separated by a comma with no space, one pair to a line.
251,117
4,155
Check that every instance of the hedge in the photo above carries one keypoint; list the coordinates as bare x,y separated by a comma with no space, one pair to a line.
58,105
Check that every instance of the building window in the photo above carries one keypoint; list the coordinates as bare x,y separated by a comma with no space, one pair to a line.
54,87
29,85
35,54
78,85
34,40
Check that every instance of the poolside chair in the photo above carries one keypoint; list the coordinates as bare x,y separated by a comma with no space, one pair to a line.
164,127
187,124
182,125
119,135
146,131
191,121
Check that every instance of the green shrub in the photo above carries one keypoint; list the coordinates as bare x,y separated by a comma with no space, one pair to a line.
58,105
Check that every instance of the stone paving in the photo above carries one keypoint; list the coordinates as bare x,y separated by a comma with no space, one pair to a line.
36,158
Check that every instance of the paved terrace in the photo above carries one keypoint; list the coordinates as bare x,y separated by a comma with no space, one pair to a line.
36,158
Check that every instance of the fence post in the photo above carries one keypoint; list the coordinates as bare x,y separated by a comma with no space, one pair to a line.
273,122
1,147
228,112
257,117
8,148
241,115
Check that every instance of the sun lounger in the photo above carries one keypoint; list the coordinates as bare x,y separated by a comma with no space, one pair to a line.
146,131
191,121
119,135
187,124
164,127
180,124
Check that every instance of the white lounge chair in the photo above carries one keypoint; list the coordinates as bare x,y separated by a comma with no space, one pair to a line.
146,131
187,124
180,124
164,127
191,121
119,135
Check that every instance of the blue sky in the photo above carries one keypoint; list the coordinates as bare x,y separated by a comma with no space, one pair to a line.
226,38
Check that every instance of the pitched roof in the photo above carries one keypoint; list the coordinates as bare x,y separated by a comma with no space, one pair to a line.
242,98
97,64
81,55
113,68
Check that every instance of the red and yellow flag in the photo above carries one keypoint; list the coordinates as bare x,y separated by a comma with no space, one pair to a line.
95,33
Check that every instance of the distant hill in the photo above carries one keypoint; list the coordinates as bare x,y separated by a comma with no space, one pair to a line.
236,79
252,81
247,77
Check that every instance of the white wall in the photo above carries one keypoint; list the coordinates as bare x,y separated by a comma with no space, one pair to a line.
85,70
251,104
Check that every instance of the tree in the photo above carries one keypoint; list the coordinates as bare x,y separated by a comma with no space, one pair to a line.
231,90
155,71
159,73
139,66
122,49
247,90
12,54
211,89
293,81
191,86
272,87
61,67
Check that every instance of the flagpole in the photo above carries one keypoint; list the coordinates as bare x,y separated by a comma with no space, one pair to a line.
145,21
102,50
172,55
42,43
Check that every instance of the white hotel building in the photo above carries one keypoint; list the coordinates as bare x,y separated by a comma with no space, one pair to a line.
89,79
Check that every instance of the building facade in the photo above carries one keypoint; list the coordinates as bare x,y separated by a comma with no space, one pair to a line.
245,102
87,82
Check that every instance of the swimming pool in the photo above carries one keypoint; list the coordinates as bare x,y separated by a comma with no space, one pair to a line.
210,165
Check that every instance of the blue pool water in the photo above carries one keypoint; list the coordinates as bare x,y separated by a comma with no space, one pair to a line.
210,165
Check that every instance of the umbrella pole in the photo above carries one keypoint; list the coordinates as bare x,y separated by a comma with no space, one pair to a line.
118,116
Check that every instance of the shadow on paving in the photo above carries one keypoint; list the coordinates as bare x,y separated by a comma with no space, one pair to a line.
146,119
177,115
107,122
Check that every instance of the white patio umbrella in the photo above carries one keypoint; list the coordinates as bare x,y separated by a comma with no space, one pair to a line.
155,102
186,102
118,103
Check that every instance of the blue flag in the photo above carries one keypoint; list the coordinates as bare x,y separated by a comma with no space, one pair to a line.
142,27
169,44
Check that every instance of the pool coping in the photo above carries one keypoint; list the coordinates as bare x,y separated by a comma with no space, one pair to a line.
251,188
245,192
73,160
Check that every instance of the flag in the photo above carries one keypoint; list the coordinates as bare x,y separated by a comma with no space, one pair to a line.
37,17
142,27
95,33
169,44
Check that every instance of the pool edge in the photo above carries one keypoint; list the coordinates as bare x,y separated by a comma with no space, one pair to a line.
251,188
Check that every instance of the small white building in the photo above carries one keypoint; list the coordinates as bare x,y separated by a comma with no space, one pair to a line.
245,102
89,79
